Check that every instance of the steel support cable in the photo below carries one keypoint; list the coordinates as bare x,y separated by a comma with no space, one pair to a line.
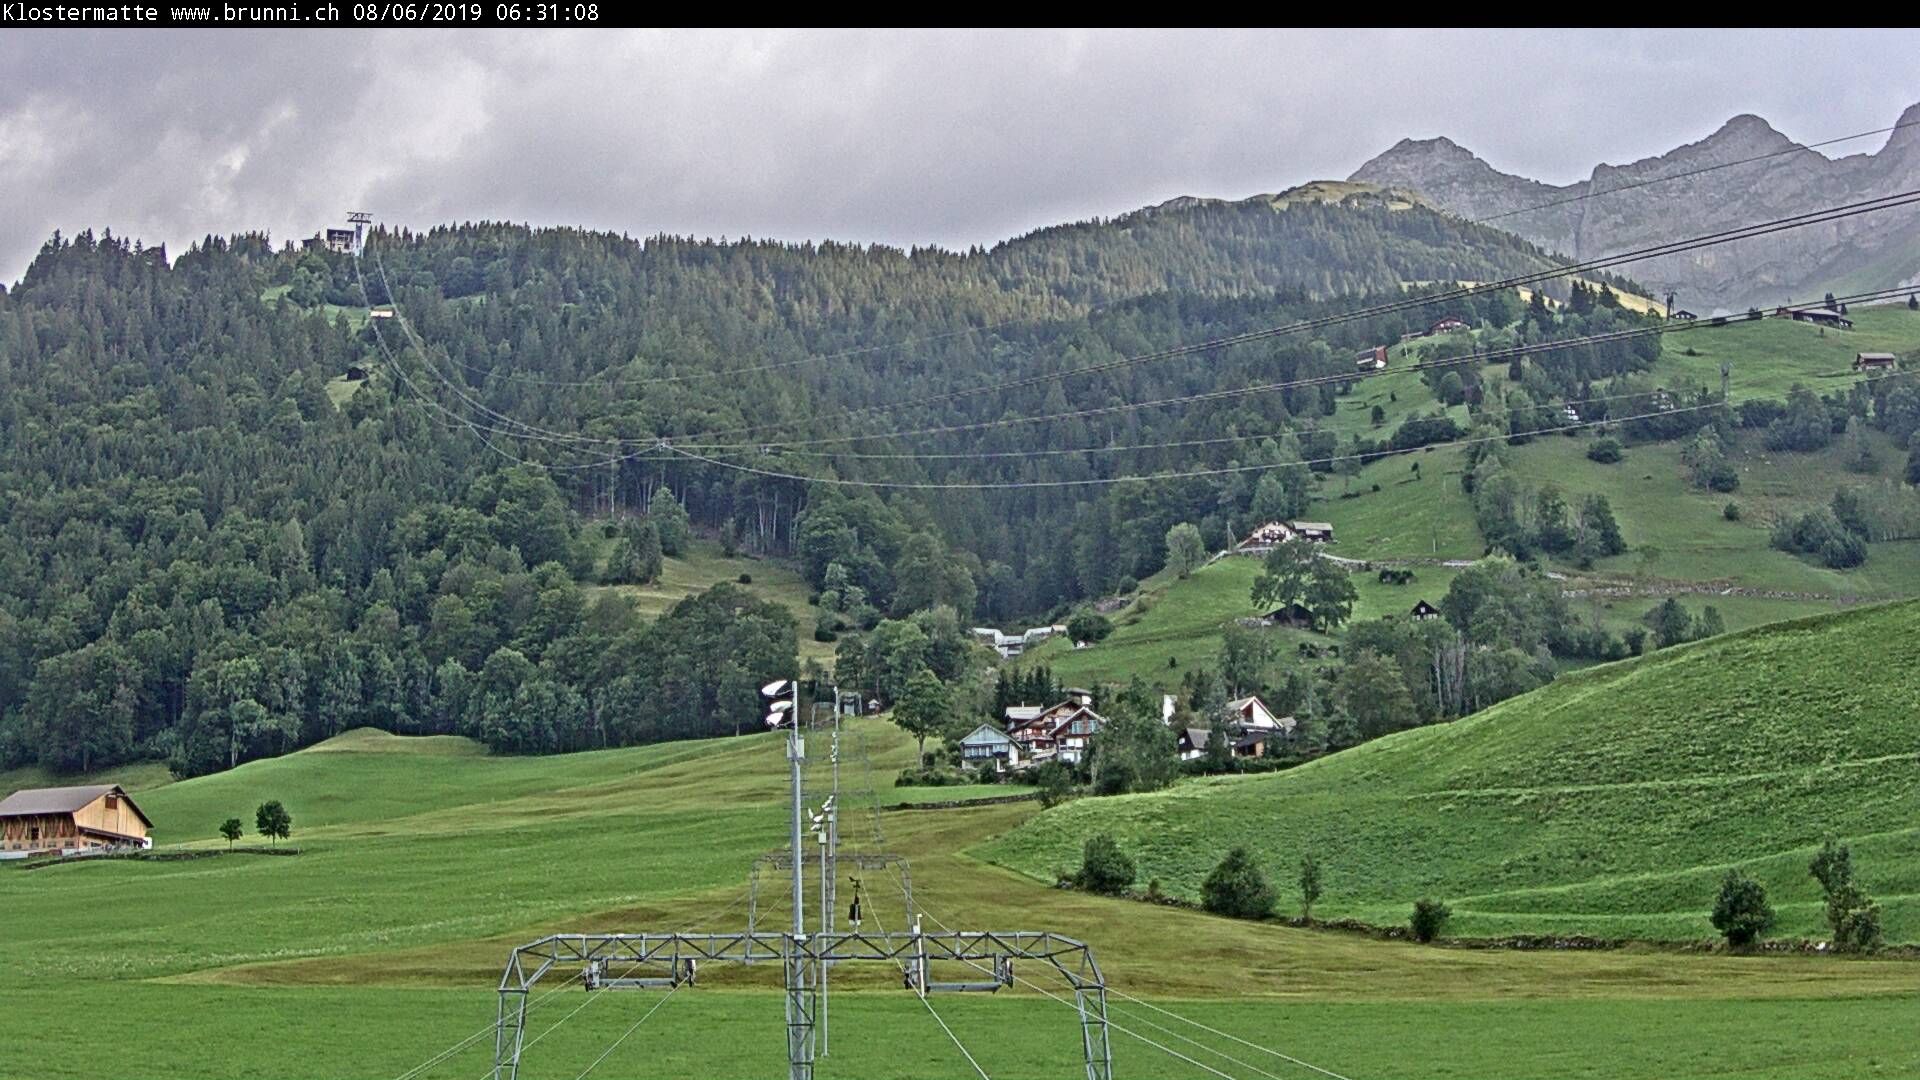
1370,455
577,1009
1163,1029
962,1047
1029,983
1674,247
1227,1035
442,1056
965,331
438,1059
635,1026
1188,474
1608,337
1682,175
480,431
1491,356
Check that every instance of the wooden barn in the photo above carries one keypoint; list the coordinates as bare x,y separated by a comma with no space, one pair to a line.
1821,317
68,820
1876,361
1319,532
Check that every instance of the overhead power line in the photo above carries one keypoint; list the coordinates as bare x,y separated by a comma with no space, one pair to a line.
1588,192
962,1047
1745,232
1337,378
1725,236
1634,185
1189,474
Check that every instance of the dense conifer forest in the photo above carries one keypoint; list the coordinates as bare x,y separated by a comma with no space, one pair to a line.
209,554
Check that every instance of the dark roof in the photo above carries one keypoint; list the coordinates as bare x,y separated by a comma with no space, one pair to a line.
62,800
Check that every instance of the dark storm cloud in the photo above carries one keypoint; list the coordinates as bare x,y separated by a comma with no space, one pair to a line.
897,137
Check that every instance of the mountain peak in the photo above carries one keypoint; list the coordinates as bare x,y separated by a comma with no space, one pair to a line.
1437,149
1746,132
1906,130
1702,198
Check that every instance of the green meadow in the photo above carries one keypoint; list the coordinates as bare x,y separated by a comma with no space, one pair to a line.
423,861
1608,803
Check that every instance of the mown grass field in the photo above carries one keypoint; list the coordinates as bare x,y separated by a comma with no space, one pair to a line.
705,566
1412,507
1771,355
1183,620
425,860
1609,802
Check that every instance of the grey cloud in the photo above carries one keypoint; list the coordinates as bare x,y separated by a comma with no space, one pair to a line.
897,137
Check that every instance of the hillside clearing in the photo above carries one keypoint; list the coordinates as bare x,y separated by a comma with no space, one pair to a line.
1607,802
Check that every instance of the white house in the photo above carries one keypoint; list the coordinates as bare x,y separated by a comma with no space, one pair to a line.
1251,726
1251,712
1012,645
988,743
1265,538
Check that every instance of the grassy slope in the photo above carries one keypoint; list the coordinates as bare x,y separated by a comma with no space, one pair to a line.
425,860
1608,802
704,566
1677,533
1769,356
1183,620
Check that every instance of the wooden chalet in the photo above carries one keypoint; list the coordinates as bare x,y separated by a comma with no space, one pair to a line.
1374,359
1821,317
1320,532
1446,325
71,820
1265,538
1294,615
1423,611
1876,361
1064,731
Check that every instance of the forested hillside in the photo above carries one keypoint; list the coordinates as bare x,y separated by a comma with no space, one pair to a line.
215,549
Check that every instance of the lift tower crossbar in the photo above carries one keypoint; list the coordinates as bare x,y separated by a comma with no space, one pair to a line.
991,950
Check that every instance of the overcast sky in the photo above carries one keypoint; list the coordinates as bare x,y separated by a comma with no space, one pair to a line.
897,137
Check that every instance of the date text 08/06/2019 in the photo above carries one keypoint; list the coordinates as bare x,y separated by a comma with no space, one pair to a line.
399,13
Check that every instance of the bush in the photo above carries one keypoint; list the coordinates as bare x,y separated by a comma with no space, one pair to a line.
1853,916
1428,919
1127,587
1820,533
1606,451
1731,511
1089,626
1104,868
1055,782
1237,888
745,579
1741,912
